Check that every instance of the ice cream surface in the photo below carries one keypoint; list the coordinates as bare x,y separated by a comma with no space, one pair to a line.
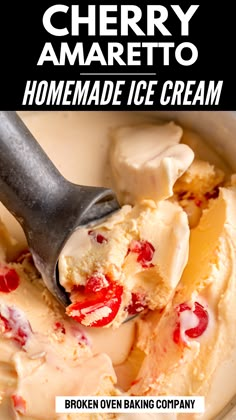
138,254
146,160
40,348
172,256
134,260
200,319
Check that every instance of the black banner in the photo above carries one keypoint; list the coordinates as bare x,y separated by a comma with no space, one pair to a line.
116,55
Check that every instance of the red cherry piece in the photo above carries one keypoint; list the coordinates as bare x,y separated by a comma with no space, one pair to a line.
19,403
102,306
203,319
96,282
9,280
137,304
84,340
198,202
145,251
176,333
4,324
198,330
21,336
183,307
213,193
98,237
58,326
15,325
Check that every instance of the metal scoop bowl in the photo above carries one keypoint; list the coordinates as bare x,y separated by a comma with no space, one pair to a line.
48,207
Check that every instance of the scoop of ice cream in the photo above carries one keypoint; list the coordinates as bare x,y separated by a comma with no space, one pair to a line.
132,261
195,334
199,184
147,160
199,179
203,150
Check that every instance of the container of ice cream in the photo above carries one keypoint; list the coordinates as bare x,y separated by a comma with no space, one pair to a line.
184,346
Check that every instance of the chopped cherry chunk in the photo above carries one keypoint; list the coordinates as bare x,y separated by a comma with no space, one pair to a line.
203,319
58,326
97,309
137,304
19,403
83,340
213,193
183,307
176,333
196,331
198,202
96,282
4,325
14,324
98,237
145,251
9,280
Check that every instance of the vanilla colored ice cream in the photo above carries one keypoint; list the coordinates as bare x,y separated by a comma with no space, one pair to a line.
131,262
42,354
168,256
146,160
134,260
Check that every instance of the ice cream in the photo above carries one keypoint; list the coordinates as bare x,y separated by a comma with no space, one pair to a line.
134,260
183,341
131,262
41,348
146,160
194,327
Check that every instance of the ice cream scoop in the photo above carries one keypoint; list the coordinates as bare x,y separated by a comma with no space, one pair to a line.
48,207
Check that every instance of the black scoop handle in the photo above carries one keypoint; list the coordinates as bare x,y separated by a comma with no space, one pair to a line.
47,206
29,182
